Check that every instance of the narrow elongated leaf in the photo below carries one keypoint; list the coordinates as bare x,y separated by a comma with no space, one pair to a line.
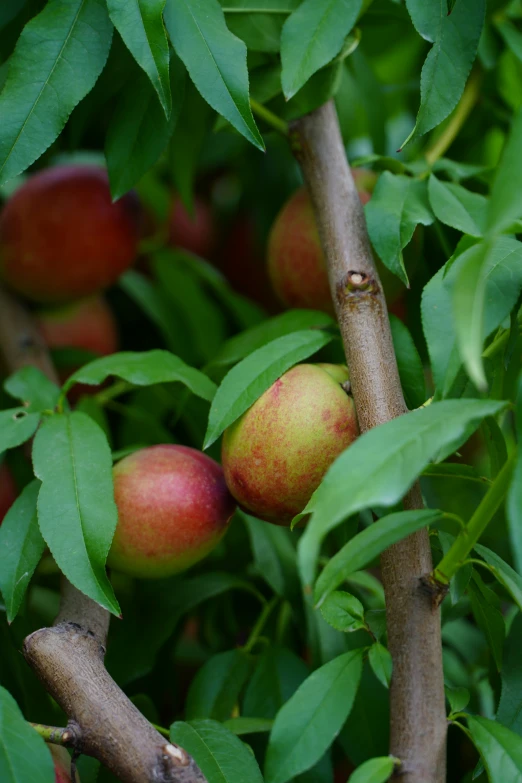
506,206
24,755
33,388
16,426
509,711
469,295
140,24
247,381
215,689
381,663
21,547
383,464
449,61
457,207
343,611
368,544
274,556
220,755
397,205
503,573
373,771
411,371
56,62
485,605
76,509
499,748
240,726
425,18
278,675
514,498
215,60
312,36
308,723
145,369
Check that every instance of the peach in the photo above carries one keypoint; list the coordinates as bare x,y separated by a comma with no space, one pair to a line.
8,491
62,237
195,233
88,324
173,509
275,455
62,764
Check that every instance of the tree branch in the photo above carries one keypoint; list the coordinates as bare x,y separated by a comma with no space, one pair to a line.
68,658
418,719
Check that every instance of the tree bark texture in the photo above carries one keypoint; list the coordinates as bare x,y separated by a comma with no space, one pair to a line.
418,718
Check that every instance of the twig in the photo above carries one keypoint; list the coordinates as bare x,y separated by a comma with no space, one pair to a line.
68,658
418,720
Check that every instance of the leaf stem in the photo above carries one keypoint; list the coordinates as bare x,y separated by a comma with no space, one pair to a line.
269,117
469,97
260,624
161,730
465,541
106,395
54,734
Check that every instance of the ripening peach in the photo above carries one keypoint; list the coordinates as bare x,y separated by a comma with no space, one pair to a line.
8,492
196,233
87,324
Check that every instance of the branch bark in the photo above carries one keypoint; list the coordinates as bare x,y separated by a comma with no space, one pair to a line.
418,718
68,658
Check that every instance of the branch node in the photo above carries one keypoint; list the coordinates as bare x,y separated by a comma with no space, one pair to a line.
435,589
176,753
356,284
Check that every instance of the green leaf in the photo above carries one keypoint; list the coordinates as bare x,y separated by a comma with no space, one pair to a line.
21,547
506,195
458,207
383,464
511,36
381,663
215,60
278,674
16,426
343,611
374,770
260,32
240,726
411,371
363,548
247,381
139,132
425,18
469,301
56,62
449,61
308,723
215,689
33,388
499,748
509,711
486,610
514,498
220,755
274,556
140,24
24,755
312,36
144,369
503,573
458,698
239,346
76,509
397,205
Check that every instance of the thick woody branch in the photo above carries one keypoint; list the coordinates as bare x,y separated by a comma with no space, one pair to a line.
68,658
418,721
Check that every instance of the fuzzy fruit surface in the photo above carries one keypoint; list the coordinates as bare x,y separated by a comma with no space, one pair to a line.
62,237
8,491
173,509
62,764
87,324
197,232
275,455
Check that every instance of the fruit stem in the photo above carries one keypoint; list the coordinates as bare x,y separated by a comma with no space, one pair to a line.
275,122
466,540
260,624
437,148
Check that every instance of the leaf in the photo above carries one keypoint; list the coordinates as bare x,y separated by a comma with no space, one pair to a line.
76,509
382,464
458,698
381,663
139,132
449,61
220,755
247,381
469,301
21,547
411,371
509,711
503,573
215,689
23,753
144,369
239,346
514,497
56,62
215,60
343,611
397,205
33,388
261,32
505,203
274,556
278,674
239,726
16,426
312,36
499,748
140,24
458,207
374,770
425,18
486,610
308,723
363,548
